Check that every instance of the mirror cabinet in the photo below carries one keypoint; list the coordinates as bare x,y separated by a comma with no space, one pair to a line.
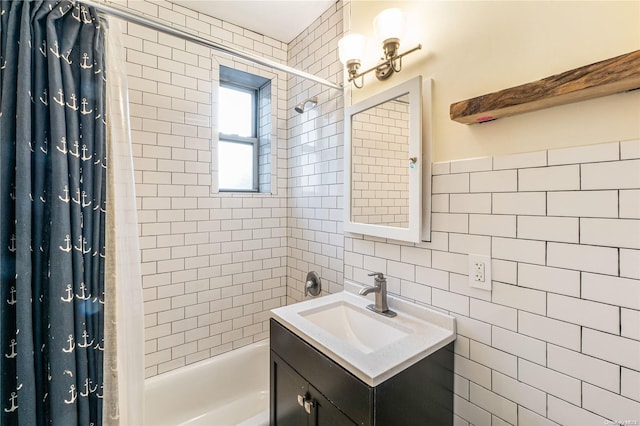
386,165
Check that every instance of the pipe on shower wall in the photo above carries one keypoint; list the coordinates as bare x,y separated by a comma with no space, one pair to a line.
153,24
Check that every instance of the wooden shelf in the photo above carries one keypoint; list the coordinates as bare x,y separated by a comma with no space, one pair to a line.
607,77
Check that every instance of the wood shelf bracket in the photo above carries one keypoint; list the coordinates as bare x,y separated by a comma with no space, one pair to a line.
614,75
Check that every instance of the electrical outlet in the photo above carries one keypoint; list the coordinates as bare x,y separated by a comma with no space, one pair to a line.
480,272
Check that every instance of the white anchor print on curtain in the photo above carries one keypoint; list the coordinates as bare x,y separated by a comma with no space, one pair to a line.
51,249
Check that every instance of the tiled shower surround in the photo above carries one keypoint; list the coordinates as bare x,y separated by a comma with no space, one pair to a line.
213,264
314,153
558,338
557,341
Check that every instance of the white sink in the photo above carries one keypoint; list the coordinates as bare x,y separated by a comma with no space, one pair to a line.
363,329
369,345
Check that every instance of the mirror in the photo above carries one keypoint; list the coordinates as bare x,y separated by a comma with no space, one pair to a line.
379,174
384,164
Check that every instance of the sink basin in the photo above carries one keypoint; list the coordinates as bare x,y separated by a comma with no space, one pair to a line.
370,346
363,329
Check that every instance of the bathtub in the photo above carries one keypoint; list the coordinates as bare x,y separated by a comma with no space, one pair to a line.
227,390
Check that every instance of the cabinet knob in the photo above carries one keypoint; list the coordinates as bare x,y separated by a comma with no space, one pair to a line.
308,405
301,400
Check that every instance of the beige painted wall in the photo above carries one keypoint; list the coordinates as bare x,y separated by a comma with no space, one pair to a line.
477,47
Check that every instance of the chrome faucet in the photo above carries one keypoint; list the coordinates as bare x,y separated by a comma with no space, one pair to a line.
380,290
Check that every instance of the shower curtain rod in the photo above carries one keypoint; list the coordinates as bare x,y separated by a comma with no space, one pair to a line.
153,24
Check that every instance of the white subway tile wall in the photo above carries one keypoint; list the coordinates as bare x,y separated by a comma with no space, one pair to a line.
213,264
557,341
314,155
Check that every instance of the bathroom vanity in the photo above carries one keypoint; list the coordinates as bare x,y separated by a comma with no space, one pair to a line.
333,362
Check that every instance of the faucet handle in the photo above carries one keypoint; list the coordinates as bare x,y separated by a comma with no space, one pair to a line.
313,285
379,276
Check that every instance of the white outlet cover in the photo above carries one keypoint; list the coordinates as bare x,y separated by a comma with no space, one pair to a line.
486,261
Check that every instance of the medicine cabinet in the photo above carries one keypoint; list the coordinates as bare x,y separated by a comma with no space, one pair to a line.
387,165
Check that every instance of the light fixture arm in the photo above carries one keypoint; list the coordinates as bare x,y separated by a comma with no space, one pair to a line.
385,69
355,82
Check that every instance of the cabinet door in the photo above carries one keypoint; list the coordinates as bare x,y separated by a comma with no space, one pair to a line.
324,413
345,391
286,387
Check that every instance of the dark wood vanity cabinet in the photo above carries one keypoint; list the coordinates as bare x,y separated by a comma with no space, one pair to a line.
308,388
298,403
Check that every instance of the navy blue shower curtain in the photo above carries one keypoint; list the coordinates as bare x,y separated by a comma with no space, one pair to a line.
52,213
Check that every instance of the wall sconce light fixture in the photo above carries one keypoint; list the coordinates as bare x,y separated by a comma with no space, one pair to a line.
388,26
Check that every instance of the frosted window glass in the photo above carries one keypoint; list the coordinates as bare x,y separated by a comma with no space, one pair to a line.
235,165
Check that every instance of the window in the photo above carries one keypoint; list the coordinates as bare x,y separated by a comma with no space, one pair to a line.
244,132
238,145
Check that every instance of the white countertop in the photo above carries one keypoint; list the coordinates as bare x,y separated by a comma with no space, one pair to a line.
427,330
